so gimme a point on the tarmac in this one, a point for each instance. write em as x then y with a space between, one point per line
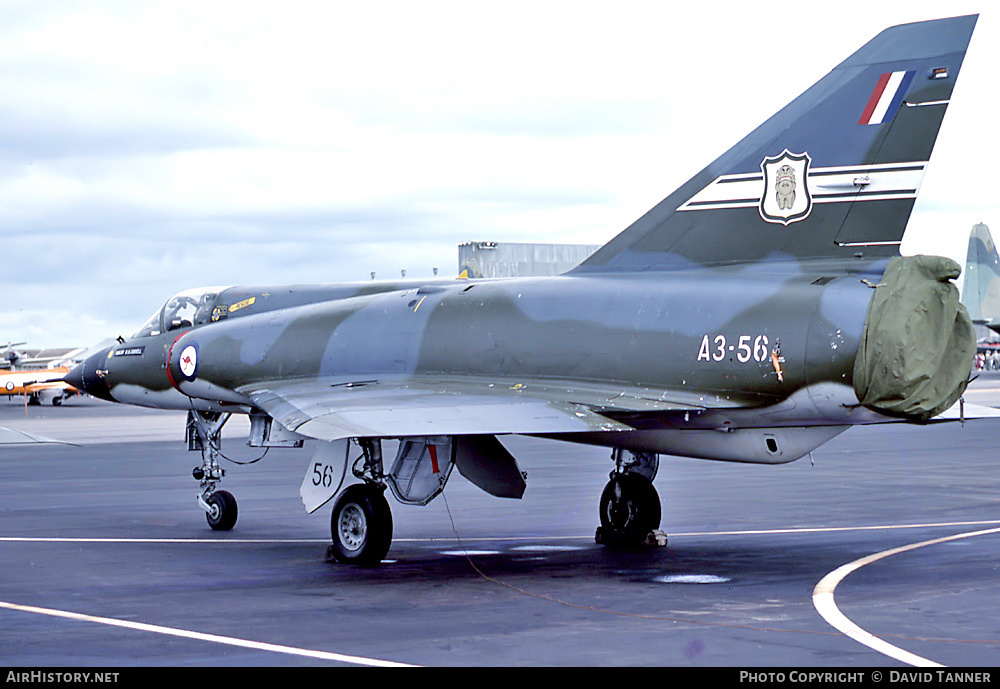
879 550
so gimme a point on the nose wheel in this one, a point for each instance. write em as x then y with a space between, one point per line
222 511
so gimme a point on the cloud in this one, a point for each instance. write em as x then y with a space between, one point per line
149 147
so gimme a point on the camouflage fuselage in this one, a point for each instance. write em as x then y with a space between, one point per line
700 333
740 338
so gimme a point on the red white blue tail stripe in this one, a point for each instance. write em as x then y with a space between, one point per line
886 98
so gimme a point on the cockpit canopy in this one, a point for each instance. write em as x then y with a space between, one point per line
183 310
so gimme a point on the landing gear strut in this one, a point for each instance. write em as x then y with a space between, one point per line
630 506
204 432
361 522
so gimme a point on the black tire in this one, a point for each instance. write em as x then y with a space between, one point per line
630 510
361 525
224 511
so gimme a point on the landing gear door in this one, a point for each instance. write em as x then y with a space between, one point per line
324 475
421 469
484 461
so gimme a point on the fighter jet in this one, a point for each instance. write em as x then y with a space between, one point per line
981 291
752 315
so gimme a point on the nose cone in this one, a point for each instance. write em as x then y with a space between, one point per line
75 377
89 376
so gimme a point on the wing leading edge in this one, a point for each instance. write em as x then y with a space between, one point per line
334 407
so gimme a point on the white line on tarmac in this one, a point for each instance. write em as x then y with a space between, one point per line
213 541
822 594
827 608
199 636
494 539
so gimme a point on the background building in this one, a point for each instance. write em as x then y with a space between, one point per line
505 259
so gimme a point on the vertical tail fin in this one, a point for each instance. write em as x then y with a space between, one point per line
833 174
981 286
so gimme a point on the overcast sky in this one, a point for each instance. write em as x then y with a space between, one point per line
149 147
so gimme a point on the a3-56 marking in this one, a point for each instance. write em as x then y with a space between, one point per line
744 347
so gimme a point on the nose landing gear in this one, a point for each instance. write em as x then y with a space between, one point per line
204 433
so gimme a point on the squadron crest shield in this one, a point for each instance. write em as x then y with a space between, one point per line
786 196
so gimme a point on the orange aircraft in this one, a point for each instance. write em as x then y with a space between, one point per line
36 385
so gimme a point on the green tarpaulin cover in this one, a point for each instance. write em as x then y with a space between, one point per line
918 344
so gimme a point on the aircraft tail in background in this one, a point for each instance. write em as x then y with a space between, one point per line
981 286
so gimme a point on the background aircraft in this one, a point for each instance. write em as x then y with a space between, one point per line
752 315
14 359
38 376
9 356
37 386
981 287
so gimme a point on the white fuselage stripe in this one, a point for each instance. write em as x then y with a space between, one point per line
842 184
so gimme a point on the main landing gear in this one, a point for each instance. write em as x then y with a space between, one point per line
361 525
204 432
630 506
361 522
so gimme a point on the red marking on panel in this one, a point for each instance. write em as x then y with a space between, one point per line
434 459
873 101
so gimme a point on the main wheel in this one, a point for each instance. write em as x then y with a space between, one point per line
224 511
361 525
630 510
